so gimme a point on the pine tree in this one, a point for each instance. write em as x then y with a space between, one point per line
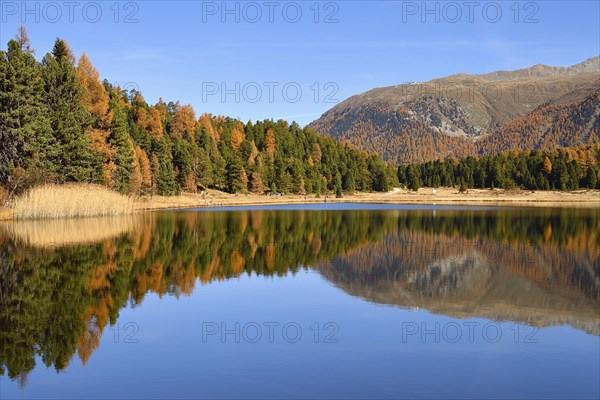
379 178
284 183
218 167
234 180
560 174
574 173
164 174
297 173
124 156
25 131
349 183
401 173
202 168
590 180
337 185
496 176
462 187
68 118
413 181
182 161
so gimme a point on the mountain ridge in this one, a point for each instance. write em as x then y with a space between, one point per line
592 64
450 117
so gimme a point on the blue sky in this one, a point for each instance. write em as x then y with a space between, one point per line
296 59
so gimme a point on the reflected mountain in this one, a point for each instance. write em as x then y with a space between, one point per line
63 283
524 283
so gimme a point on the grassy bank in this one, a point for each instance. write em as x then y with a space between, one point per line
68 201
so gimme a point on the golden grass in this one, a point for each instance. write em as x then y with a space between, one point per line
51 233
74 200
6 214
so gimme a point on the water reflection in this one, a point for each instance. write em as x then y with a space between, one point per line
63 282
69 232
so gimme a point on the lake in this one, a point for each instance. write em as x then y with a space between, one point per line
311 301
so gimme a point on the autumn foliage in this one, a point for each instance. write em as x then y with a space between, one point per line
87 131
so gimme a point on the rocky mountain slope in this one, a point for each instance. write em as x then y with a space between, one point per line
460 115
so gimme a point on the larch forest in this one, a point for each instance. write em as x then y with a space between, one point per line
59 123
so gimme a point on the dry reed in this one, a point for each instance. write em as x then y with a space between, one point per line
67 201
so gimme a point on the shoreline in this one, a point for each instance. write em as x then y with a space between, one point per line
441 196
424 196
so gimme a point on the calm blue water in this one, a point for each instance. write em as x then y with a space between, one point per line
340 207
309 302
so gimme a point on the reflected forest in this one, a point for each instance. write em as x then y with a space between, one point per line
64 282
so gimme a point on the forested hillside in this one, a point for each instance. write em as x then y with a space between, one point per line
464 115
60 123
550 126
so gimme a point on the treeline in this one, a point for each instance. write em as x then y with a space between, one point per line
59 123
561 169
